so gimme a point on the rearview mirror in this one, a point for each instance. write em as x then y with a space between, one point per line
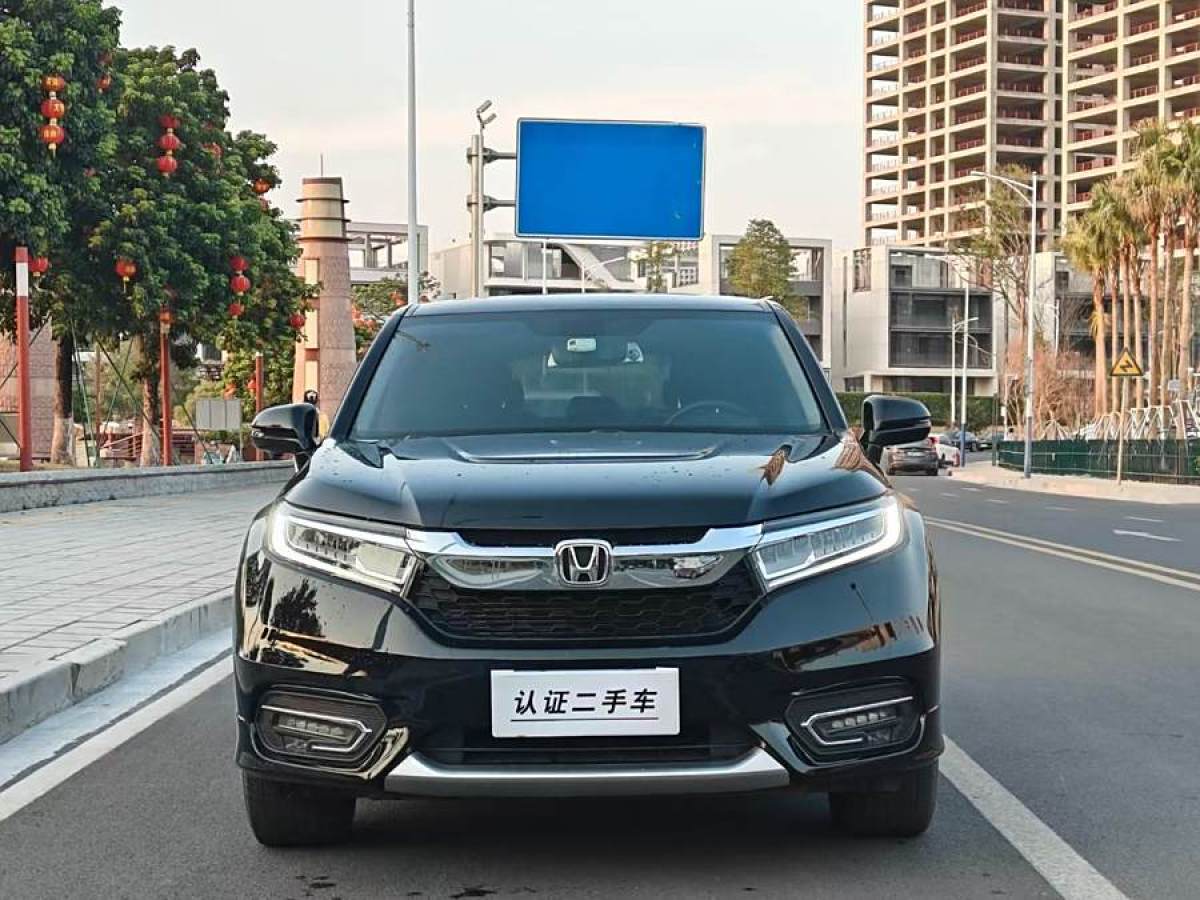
888 421
291 428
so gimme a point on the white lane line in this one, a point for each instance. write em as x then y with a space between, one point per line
948 494
994 500
1174 577
973 490
1144 519
1062 508
1053 858
54 773
1146 535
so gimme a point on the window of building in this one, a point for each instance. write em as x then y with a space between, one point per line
862 269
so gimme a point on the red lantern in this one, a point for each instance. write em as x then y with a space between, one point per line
53 84
53 108
168 121
167 165
52 135
261 186
236 309
169 142
38 265
214 149
296 320
104 82
125 269
238 264
239 284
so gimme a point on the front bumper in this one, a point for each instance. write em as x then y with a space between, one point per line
876 623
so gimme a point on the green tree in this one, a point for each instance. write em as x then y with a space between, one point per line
761 262
655 255
182 231
374 302
44 196
1087 246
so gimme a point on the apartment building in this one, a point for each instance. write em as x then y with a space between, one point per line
1127 62
953 87
514 266
894 313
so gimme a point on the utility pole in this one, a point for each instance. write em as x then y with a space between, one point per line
24 391
478 202
414 249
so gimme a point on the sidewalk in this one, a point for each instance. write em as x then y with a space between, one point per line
984 473
90 592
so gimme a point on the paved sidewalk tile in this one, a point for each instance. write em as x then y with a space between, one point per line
75 575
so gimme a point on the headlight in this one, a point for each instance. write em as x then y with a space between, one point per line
806 550
377 559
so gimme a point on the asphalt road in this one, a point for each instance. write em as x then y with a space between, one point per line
1072 684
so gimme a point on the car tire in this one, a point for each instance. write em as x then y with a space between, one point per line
904 812
933 471
283 814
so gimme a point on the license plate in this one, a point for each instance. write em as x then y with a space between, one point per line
585 703
917 453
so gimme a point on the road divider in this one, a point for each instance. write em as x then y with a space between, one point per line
1162 574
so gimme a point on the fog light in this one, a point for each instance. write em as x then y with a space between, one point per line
854 722
318 727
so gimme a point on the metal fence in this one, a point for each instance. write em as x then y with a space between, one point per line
1166 461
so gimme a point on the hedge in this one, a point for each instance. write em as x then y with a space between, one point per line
982 412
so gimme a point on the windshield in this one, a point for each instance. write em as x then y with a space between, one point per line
588 370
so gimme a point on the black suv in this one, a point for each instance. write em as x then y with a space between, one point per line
587 545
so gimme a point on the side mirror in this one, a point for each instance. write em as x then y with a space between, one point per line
888 421
291 428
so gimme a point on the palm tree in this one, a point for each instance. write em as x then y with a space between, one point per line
1084 244
1150 200
1104 221
1131 238
1187 160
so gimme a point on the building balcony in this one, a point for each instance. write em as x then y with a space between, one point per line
1091 10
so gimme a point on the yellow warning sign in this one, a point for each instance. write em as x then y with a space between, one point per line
1126 366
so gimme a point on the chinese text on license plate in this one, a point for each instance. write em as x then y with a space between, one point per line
585 703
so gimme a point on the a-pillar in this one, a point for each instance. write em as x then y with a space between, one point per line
325 357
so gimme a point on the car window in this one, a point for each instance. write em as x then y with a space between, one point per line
588 370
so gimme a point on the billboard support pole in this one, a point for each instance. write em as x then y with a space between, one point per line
413 288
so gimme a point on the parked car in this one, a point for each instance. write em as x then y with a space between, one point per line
949 455
952 437
984 441
919 456
473 588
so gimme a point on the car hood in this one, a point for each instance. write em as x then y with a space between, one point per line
594 480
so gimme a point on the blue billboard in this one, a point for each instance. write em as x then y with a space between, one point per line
617 180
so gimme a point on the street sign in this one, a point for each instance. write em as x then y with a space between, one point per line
1126 366
614 180
217 414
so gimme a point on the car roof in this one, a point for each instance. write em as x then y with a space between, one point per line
527 302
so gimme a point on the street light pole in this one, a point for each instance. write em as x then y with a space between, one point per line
1029 194
414 249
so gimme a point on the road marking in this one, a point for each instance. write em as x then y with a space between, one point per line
974 490
948 494
1053 858
1144 519
24 791
994 500
1174 577
1145 534
1062 508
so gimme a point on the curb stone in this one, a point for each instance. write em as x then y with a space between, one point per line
49 687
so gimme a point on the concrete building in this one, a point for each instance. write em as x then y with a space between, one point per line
1127 61
892 314
514 266
954 86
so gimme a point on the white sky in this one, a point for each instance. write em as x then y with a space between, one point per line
777 82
